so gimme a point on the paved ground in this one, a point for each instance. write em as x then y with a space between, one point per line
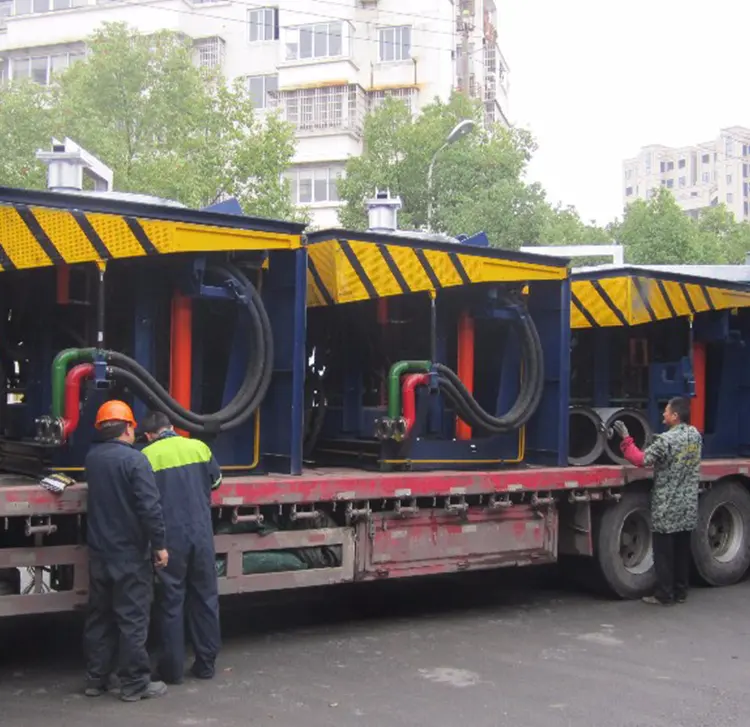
447 654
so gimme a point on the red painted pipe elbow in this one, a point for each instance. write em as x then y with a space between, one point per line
76 376
409 398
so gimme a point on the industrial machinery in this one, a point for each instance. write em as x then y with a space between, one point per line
432 354
384 403
642 335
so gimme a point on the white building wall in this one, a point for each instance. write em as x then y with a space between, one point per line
700 176
385 47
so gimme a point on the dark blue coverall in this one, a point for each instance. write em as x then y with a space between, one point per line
186 472
124 527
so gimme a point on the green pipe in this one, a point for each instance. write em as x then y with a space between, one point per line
60 366
394 383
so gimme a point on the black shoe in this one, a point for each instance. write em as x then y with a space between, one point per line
94 689
202 672
153 690
681 598
654 601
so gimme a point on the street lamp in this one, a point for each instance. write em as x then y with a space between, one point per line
461 129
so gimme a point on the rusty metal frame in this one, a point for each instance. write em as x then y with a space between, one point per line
75 555
233 546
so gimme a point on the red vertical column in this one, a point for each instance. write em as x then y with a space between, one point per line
181 354
465 365
698 402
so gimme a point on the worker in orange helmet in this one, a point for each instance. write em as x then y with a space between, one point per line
126 538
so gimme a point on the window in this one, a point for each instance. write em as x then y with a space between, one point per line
681 164
325 108
746 170
729 146
405 95
322 40
210 52
314 184
746 209
705 177
670 183
682 181
26 7
395 43
729 178
263 24
730 197
261 90
628 191
647 163
6 8
40 69
705 158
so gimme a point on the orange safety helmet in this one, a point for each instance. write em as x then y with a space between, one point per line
114 411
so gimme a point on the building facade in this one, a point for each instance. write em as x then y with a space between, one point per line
699 176
323 63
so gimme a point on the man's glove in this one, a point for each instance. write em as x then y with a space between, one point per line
620 429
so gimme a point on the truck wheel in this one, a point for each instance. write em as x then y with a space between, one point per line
721 541
623 546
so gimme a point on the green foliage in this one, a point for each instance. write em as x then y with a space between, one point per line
658 232
25 126
477 181
166 127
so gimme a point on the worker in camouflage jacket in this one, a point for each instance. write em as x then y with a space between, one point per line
676 458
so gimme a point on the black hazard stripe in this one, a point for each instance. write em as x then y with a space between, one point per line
32 223
92 235
140 235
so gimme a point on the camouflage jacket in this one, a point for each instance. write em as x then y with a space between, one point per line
676 459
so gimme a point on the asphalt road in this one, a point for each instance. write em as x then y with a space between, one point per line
475 651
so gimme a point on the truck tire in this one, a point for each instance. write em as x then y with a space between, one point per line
623 547
721 541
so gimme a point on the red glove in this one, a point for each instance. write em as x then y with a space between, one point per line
631 453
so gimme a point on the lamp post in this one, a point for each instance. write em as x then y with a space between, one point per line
461 129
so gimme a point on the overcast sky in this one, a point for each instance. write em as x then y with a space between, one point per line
595 80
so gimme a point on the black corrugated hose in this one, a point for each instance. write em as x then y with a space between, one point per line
124 369
529 397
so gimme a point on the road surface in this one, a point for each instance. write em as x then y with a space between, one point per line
480 652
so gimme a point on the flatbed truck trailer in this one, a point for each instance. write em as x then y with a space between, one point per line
406 524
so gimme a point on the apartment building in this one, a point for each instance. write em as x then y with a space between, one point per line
700 176
324 63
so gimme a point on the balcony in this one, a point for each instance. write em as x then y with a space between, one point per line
325 110
209 52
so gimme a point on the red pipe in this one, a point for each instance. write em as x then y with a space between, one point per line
75 377
409 398
698 402
465 365
181 353
63 285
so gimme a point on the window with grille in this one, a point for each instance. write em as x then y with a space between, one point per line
407 95
263 24
313 184
210 52
395 43
324 109
263 90
319 40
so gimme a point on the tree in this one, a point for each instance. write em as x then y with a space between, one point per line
25 126
167 127
658 232
563 226
477 183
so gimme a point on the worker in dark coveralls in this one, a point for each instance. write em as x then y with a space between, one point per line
126 539
186 473
676 459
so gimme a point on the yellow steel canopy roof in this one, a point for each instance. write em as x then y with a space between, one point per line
346 266
40 229
629 296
